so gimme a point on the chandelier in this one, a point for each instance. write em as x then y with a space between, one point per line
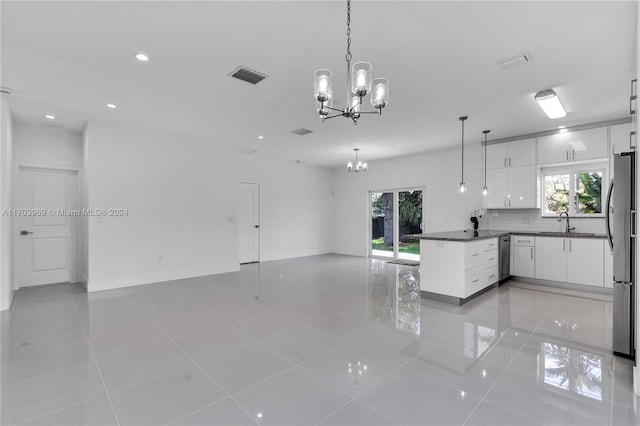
359 165
358 85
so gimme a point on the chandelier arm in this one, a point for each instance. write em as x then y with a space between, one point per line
332 108
333 116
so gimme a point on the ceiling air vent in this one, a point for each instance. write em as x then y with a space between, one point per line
302 131
523 58
250 76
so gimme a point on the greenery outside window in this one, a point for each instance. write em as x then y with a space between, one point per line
579 190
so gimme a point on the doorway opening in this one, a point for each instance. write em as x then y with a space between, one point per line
396 223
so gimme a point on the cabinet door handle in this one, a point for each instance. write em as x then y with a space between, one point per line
492 244
564 245
569 245
509 161
531 253
492 258
632 107
573 154
633 86
476 280
492 276
632 143
475 254
567 152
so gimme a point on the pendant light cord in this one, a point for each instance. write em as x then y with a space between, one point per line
348 56
462 119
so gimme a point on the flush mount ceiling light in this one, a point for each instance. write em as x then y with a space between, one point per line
463 186
141 57
50 117
485 190
358 85
112 106
359 165
550 103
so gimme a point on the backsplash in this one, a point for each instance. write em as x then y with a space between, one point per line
530 220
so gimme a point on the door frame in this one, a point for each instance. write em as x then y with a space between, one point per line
259 209
74 226
396 223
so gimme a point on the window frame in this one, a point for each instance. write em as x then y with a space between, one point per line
572 170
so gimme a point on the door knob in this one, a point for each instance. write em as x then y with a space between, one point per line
25 232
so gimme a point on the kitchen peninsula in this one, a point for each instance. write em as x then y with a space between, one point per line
457 265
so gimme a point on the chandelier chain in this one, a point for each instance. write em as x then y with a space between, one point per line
348 56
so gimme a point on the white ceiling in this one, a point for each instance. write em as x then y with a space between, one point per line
71 58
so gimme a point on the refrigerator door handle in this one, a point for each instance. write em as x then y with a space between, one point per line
607 220
633 223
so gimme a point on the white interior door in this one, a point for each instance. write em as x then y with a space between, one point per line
45 249
249 222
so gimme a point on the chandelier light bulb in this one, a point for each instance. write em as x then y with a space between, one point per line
485 191
463 188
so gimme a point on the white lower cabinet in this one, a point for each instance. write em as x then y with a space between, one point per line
523 256
572 260
458 269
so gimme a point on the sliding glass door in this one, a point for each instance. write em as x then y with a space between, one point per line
396 222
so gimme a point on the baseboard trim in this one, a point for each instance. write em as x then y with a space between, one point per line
144 279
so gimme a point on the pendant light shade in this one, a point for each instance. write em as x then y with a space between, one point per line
485 190
463 186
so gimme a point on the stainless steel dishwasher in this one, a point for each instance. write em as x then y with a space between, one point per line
505 257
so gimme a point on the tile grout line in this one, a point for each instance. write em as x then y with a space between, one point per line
483 399
95 360
210 378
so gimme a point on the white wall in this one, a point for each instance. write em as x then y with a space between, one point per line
44 146
444 208
6 197
181 196
296 207
83 201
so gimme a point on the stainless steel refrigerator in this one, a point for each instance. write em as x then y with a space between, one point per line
621 210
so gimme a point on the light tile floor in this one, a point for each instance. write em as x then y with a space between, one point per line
330 340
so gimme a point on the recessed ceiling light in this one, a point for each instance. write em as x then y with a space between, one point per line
112 106
260 137
50 117
141 57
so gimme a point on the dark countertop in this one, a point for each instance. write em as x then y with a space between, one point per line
482 235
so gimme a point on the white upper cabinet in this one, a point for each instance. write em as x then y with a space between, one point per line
589 144
522 187
621 138
511 154
511 187
573 146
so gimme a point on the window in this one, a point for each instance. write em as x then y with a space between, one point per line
577 190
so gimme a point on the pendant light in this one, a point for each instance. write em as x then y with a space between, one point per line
358 166
359 84
463 186
485 191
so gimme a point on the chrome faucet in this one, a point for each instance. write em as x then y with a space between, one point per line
568 228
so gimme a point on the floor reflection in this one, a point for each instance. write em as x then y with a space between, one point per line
395 295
